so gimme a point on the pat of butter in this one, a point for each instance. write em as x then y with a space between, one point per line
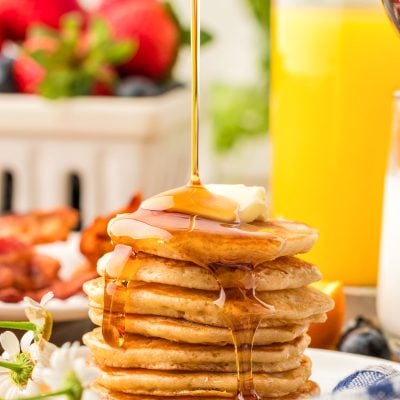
251 200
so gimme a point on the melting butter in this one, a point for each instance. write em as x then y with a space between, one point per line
226 203
251 200
195 200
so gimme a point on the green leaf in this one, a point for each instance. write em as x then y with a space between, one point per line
205 37
42 30
121 52
173 14
262 11
76 65
42 58
237 112
71 25
185 37
56 84
99 32
65 83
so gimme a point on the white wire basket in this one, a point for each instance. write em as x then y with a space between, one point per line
94 151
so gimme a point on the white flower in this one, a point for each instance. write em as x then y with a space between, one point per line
16 384
68 368
11 345
38 315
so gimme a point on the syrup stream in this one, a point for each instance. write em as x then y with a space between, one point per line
240 308
195 47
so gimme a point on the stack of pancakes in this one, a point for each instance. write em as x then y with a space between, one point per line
177 343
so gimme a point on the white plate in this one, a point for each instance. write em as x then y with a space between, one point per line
72 309
330 367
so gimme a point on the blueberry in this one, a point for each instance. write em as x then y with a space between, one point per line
171 85
362 337
137 86
7 82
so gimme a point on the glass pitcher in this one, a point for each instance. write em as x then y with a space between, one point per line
335 65
389 271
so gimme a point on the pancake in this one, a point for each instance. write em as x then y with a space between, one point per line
179 330
141 352
181 237
182 383
199 306
308 390
131 326
282 273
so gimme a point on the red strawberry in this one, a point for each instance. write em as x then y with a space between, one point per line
106 5
68 63
28 74
151 26
16 16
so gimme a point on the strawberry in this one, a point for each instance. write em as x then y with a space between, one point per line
106 5
29 74
17 16
72 62
157 35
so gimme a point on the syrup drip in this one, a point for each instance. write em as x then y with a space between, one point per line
243 323
116 295
193 208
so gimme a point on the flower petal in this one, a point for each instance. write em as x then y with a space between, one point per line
26 341
5 384
89 394
31 389
12 393
41 352
85 373
46 298
31 303
10 343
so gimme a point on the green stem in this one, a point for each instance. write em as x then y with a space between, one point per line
21 326
66 391
10 365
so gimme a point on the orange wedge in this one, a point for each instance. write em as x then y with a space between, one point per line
327 335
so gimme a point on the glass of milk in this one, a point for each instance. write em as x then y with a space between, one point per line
388 301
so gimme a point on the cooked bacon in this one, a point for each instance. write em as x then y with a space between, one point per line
23 272
64 289
39 227
11 295
95 241
6 277
14 253
44 271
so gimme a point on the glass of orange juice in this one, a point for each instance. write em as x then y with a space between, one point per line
335 65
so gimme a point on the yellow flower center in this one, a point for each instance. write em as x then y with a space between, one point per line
21 377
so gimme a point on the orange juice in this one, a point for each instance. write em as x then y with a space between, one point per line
335 65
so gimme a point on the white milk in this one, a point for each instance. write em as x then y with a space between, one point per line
389 274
